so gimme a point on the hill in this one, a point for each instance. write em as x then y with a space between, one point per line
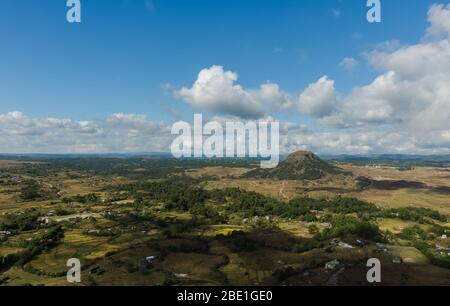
301 165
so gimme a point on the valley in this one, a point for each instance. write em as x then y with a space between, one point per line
159 221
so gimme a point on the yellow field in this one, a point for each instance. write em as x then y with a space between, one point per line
395 225
393 198
219 172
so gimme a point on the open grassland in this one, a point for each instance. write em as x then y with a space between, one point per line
19 277
405 198
8 164
216 172
433 195
132 231
430 176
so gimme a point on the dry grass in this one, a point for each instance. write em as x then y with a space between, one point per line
395 225
18 277
218 172
286 190
431 176
405 198
410 255
6 164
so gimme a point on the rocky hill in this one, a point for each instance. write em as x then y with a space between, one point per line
301 165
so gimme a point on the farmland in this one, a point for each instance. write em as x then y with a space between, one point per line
140 221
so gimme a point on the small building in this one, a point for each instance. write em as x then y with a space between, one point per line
151 259
360 242
332 265
344 245
44 220
381 247
397 260
306 273
439 247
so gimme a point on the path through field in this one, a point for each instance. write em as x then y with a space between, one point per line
281 192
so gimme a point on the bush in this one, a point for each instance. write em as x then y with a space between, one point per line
412 233
82 199
31 191
349 225
415 214
433 257
26 221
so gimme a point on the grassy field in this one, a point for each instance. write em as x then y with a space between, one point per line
113 235
402 197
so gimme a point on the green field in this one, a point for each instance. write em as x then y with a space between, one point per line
204 224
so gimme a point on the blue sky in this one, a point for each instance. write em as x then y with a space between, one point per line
122 53
125 53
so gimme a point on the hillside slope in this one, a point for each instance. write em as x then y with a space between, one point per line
301 165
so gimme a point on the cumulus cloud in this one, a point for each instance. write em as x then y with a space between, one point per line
319 99
215 91
118 133
413 92
135 133
439 18
348 64
271 94
364 141
405 109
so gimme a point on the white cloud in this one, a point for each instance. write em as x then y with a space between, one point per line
348 64
119 133
135 133
439 18
319 99
413 92
215 91
363 141
271 94
406 109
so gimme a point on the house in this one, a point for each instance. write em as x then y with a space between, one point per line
151 259
44 220
87 217
381 247
397 260
4 234
332 265
360 242
306 273
327 225
335 242
439 247
345 245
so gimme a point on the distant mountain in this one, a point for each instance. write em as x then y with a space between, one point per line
389 157
50 156
301 165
